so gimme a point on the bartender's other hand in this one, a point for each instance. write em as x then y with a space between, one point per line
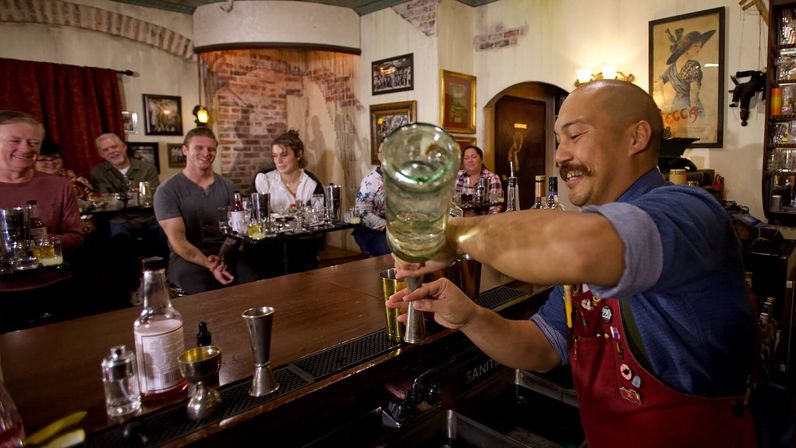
440 261
451 307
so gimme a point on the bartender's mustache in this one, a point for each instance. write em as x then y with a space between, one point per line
575 169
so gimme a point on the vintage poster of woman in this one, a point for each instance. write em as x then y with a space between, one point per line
687 74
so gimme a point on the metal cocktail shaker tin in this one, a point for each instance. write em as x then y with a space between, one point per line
333 206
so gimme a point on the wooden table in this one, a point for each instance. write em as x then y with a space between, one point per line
282 239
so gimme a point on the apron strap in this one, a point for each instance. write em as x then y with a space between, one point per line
633 336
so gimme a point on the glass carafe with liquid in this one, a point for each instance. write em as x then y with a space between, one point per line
420 162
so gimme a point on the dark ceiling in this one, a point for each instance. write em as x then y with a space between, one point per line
362 7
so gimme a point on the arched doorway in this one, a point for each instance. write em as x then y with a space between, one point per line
522 118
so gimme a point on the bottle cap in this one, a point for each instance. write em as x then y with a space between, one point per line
119 364
153 263
539 177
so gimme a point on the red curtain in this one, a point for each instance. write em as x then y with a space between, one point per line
76 104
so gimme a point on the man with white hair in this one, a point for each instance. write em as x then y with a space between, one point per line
117 174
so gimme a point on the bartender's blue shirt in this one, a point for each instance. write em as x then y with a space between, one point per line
684 282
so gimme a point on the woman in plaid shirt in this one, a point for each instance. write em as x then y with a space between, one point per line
472 170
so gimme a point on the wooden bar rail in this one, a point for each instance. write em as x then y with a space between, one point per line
53 370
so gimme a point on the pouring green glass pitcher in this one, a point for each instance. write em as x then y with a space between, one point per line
420 162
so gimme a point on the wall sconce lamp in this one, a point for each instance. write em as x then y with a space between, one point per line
201 114
585 75
199 111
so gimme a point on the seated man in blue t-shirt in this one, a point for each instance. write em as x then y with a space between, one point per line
659 332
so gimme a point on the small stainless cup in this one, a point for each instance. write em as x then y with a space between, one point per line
415 323
259 321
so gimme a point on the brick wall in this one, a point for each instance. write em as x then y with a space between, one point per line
420 13
248 94
56 12
500 37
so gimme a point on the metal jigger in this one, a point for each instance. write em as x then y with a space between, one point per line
415 325
200 365
259 321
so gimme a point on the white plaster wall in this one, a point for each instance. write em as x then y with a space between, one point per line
386 34
158 72
276 22
455 22
569 34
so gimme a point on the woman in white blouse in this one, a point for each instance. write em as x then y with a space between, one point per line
288 184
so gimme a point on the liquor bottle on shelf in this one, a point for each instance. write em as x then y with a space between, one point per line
512 195
237 215
159 337
38 231
552 194
540 202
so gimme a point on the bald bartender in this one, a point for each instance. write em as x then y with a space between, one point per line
659 331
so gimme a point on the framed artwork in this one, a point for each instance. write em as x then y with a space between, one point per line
162 115
384 118
176 157
457 101
130 121
686 69
394 74
464 141
147 151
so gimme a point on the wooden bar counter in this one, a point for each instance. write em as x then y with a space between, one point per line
53 370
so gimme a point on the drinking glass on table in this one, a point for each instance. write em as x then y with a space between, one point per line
48 251
222 213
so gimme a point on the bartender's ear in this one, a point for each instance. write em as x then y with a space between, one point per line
641 133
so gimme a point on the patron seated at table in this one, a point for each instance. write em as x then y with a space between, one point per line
51 162
133 233
185 206
20 142
289 186
473 169
372 238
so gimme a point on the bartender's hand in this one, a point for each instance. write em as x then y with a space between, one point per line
451 307
219 268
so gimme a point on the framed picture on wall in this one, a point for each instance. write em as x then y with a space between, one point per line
162 115
394 74
130 121
457 102
686 79
176 157
464 141
147 151
384 118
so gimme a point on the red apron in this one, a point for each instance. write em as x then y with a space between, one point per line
623 405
